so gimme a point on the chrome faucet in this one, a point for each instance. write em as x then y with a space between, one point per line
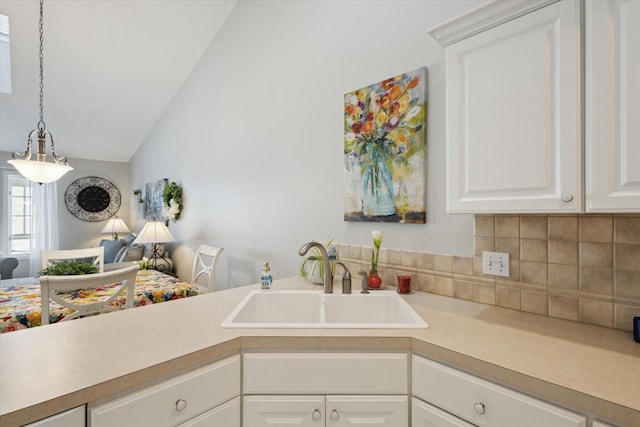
346 279
328 274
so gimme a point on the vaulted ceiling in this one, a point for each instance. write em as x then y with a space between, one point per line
111 67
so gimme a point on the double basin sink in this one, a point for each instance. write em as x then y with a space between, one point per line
315 309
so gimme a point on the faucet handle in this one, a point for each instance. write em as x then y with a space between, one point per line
365 280
346 279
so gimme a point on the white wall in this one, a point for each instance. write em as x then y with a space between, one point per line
255 135
73 232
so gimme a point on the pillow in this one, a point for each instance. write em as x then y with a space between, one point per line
111 249
119 257
133 253
129 238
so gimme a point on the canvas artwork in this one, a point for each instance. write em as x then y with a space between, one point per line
385 150
154 200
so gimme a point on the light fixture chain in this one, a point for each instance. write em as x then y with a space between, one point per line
41 124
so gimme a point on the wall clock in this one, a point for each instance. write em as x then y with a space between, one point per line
92 199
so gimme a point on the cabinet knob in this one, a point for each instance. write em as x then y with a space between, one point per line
181 404
566 197
316 414
335 415
479 408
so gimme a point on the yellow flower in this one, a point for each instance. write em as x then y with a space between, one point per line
381 118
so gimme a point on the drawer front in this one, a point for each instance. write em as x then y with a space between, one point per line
175 400
482 402
225 415
284 411
325 373
425 415
72 418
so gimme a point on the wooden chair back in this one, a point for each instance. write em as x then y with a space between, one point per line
95 255
51 285
204 263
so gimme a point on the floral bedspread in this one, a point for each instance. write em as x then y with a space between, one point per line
20 302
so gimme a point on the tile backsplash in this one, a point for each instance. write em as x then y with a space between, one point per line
578 267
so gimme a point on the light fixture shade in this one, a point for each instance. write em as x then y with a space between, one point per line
41 172
116 225
154 232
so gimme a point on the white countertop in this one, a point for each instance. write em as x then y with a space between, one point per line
48 369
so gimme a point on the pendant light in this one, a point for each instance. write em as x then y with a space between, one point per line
40 170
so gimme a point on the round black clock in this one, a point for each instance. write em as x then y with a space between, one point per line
92 199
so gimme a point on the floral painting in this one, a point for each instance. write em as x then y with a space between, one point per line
154 192
385 150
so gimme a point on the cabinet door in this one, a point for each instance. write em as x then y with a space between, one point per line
225 415
425 415
612 106
72 418
367 411
513 115
284 411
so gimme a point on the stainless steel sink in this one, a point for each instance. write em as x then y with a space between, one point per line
315 309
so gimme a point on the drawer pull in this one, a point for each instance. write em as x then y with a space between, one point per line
479 408
566 197
316 414
181 404
335 415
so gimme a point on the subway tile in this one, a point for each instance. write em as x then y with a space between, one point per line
509 245
394 257
508 226
463 265
444 286
534 272
477 267
596 229
533 227
564 307
623 316
483 293
596 312
563 228
425 283
563 276
627 257
596 279
563 252
463 289
533 250
354 251
535 302
484 225
410 258
514 270
627 284
627 229
484 244
426 260
596 254
444 262
508 297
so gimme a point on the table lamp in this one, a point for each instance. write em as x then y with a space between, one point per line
155 232
114 226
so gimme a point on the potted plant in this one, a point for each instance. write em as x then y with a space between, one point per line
312 266
69 268
374 281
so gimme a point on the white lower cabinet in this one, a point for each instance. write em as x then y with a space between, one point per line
483 403
325 411
425 415
202 397
72 418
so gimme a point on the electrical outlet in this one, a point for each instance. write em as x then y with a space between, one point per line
496 263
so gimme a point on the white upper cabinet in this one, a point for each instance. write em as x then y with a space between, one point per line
612 106
513 110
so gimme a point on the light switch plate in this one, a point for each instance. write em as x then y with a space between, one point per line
496 263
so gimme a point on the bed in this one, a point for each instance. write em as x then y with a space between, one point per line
20 298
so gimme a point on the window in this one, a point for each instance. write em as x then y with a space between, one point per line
20 214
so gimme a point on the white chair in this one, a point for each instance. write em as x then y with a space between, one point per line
96 255
51 285
205 263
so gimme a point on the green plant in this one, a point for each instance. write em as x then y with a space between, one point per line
138 193
69 268
172 201
313 264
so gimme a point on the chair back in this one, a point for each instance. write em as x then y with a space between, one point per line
93 255
205 263
51 285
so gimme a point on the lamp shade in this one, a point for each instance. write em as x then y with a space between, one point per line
41 172
154 232
114 226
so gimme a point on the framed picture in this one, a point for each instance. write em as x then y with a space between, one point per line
385 126
153 200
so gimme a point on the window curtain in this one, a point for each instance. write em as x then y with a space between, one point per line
44 223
